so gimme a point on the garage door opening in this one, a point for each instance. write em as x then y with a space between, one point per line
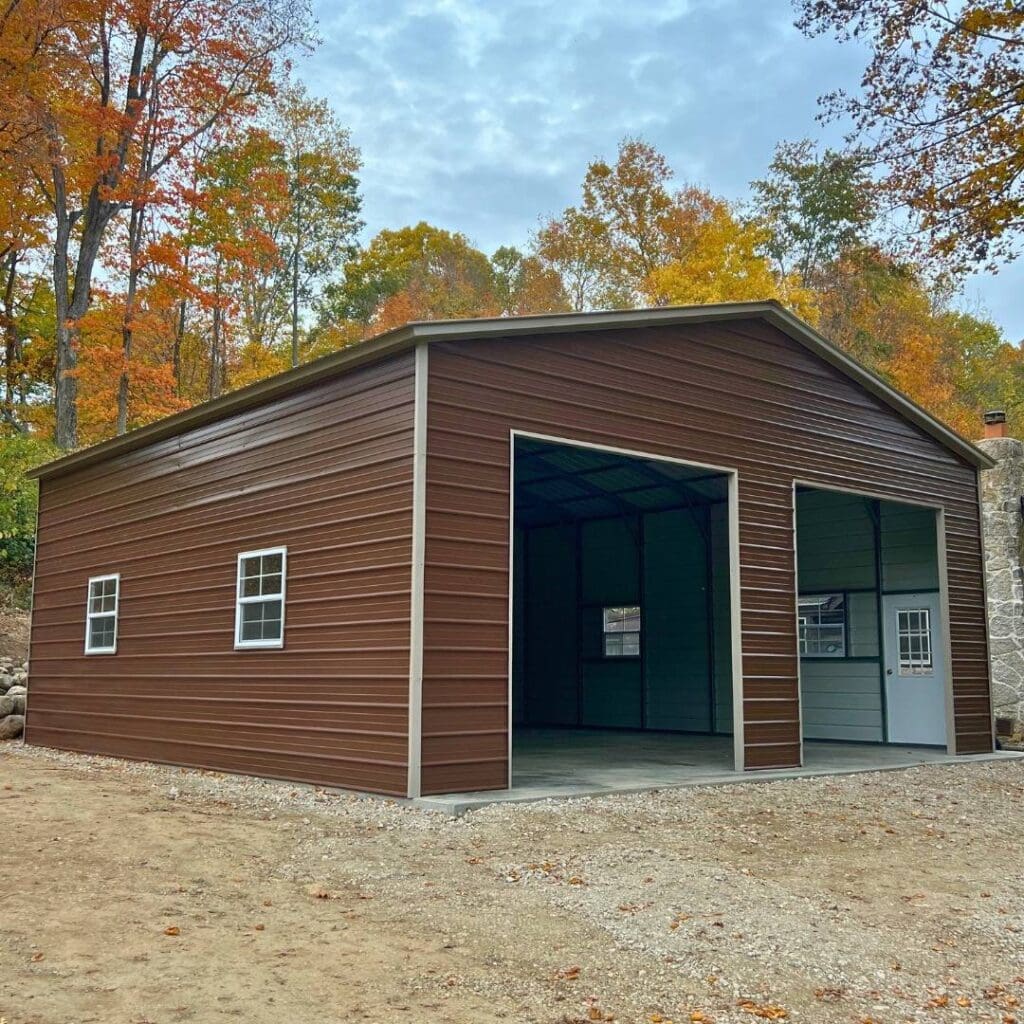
621 625
872 629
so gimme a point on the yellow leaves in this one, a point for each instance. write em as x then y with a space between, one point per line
766 1011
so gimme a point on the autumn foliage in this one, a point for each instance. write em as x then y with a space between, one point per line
178 218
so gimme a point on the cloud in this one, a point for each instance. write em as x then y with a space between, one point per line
481 115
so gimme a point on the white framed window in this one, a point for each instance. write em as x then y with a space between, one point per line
822 624
914 631
101 614
259 600
622 631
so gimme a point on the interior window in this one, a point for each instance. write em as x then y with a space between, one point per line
622 631
822 625
259 609
101 615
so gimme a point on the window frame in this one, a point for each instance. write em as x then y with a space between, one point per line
240 600
621 634
90 614
803 620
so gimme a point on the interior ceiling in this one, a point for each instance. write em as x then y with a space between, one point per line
557 483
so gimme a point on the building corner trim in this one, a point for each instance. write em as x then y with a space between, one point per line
419 525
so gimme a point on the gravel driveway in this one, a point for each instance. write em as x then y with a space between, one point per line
145 894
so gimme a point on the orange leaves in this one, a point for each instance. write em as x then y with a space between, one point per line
172 930
765 1011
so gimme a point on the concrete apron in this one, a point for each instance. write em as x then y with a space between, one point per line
557 767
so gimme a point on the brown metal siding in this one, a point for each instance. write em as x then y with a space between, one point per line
326 471
741 395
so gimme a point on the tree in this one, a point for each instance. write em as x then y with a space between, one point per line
814 208
718 259
318 233
941 113
575 246
118 93
523 285
414 273
242 195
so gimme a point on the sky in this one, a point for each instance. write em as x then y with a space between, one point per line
481 116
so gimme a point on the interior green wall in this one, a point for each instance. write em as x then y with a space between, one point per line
659 560
842 698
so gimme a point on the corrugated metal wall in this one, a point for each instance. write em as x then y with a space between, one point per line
326 471
741 395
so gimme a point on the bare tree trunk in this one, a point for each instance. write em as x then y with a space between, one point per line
215 344
127 324
12 343
295 307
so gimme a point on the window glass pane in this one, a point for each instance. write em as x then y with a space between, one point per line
822 625
251 586
261 620
101 632
272 584
271 563
622 619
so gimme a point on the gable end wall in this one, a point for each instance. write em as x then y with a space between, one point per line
742 395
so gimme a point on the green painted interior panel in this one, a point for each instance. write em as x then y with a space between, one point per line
909 553
677 656
721 613
550 624
835 542
610 549
670 686
842 698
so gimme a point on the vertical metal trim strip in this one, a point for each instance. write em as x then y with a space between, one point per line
419 544
735 615
796 628
947 644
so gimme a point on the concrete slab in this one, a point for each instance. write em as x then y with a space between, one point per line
565 763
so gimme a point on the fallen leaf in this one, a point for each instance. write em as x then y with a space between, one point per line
766 1011
259 927
963 1001
37 956
172 930
568 973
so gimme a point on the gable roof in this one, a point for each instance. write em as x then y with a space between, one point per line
427 331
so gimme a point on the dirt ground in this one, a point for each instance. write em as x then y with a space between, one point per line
133 893
13 634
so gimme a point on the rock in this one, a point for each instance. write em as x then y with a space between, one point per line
12 727
6 682
17 689
12 704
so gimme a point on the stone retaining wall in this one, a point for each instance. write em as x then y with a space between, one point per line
13 678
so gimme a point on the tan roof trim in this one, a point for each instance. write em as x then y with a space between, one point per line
404 338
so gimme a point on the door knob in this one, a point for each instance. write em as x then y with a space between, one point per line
888 671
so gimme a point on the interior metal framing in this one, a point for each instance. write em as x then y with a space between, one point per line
940 556
732 484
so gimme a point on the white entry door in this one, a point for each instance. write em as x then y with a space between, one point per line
915 669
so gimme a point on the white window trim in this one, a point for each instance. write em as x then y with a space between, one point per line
247 645
90 614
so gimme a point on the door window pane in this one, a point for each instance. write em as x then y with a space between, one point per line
914 634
